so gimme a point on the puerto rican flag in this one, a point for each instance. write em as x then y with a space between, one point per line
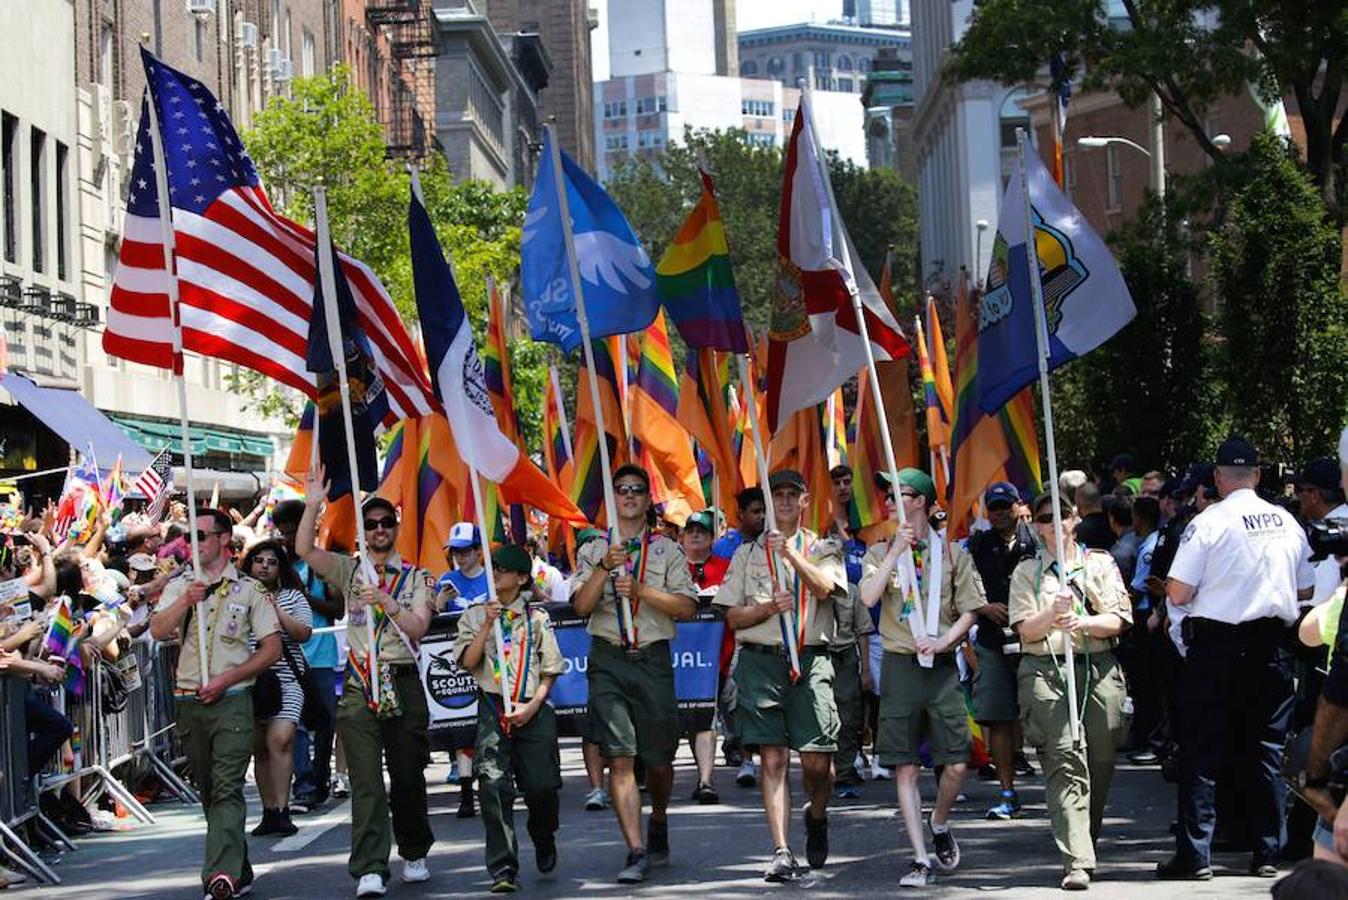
245 273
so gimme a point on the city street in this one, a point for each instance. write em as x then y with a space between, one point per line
716 850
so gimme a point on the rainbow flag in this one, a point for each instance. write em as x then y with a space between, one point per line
609 365
1018 422
114 490
656 429
587 486
60 640
496 366
938 422
695 284
835 429
557 459
708 412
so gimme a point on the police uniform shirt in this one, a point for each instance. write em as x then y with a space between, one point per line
666 571
961 592
415 591
852 620
748 582
236 609
1246 560
528 626
1328 574
1098 586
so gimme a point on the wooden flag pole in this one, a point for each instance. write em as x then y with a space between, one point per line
171 278
1046 393
328 276
610 503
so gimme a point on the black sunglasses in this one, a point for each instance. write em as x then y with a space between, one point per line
632 489
388 522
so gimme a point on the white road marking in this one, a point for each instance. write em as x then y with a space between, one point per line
311 831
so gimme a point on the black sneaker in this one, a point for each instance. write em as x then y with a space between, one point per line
219 887
705 794
782 869
946 847
545 855
504 883
638 868
1178 869
466 809
268 824
1023 767
816 839
657 842
283 826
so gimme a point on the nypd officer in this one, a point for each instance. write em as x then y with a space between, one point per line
215 712
1241 567
387 722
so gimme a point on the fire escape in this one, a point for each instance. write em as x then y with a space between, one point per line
410 98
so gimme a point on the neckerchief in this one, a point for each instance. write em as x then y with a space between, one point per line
1079 593
801 613
638 555
516 662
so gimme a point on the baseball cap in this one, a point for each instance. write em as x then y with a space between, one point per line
701 519
1236 451
916 479
1321 472
140 562
1125 461
1200 474
587 534
786 478
512 558
1001 492
463 535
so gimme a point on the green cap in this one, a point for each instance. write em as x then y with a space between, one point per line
587 534
702 519
914 478
512 558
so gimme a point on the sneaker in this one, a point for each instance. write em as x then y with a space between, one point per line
453 776
284 827
1076 880
862 768
987 772
371 884
1023 767
919 875
1144 757
466 808
748 774
1177 869
504 883
879 772
657 842
947 848
733 759
415 871
705 794
638 868
268 824
545 855
596 800
848 792
1007 808
816 839
341 786
243 890
219 887
782 868
301 806
1263 870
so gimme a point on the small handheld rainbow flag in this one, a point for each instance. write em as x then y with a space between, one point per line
61 632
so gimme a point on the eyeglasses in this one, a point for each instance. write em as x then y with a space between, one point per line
388 522
630 489
266 561
909 495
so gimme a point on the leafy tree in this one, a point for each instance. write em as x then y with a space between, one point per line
1187 52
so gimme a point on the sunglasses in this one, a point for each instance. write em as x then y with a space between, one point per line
909 495
388 522
630 489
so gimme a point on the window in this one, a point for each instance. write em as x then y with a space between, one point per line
37 161
649 138
650 105
307 53
845 85
615 109
199 37
821 60
62 215
844 63
748 67
761 109
788 114
9 161
615 142
863 65
760 139
661 103
776 65
1114 179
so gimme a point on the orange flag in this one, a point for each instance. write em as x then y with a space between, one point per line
653 401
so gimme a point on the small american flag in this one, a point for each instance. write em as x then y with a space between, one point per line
156 483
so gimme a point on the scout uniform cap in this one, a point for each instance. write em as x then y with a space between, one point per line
587 534
462 536
512 558
1322 472
916 479
1236 451
702 519
786 478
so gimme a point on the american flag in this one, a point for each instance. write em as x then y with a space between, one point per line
245 273
156 483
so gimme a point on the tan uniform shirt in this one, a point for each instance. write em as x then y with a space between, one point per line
528 627
415 591
748 582
239 608
1033 588
666 570
961 592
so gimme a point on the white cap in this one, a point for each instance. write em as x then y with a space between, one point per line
462 536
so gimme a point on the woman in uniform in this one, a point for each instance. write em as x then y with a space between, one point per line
1093 608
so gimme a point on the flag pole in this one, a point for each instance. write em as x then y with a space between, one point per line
561 409
770 521
907 569
1041 340
185 432
328 276
610 503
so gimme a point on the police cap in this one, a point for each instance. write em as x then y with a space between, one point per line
1236 451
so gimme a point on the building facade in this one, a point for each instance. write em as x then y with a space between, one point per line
388 45
839 55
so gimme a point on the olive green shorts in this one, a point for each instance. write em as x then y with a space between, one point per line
995 686
917 703
773 712
632 707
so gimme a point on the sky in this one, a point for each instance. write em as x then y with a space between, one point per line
749 14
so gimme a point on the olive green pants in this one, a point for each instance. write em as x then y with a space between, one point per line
528 757
402 744
1076 776
218 740
847 697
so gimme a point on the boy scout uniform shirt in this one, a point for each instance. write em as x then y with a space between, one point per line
1104 593
666 570
417 590
961 592
748 582
237 609
545 657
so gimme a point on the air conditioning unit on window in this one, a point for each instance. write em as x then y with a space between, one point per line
285 71
274 59
201 7
248 35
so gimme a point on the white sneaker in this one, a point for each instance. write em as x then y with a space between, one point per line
596 800
880 773
863 771
371 885
748 775
415 871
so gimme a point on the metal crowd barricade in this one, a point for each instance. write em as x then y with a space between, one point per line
153 715
18 800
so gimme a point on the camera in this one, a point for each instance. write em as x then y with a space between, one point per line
1327 537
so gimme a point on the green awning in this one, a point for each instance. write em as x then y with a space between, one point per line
155 436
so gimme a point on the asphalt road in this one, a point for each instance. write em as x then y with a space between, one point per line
716 850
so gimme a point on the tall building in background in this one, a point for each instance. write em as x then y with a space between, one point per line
389 47
565 27
840 55
888 99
